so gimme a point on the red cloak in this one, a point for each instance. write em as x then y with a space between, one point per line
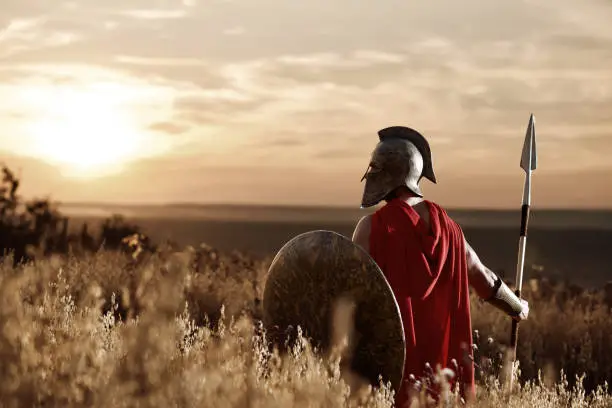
427 271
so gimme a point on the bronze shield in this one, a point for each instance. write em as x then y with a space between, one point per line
309 275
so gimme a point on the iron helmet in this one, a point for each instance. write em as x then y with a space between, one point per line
401 158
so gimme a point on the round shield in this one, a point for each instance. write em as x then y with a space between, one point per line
307 278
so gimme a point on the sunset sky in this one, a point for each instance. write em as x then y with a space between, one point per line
279 102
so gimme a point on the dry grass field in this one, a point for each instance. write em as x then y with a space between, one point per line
180 329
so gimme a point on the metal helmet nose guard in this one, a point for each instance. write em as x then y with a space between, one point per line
401 158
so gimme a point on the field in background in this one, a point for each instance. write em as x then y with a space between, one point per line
570 245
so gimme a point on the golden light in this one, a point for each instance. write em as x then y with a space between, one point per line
88 132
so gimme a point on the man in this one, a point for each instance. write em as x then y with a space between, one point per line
427 261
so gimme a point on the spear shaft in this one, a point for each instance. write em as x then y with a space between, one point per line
528 164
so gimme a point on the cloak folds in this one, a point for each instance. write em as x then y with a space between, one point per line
427 270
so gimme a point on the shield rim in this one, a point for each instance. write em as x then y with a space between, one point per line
367 257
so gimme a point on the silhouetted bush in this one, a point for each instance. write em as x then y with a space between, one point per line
32 229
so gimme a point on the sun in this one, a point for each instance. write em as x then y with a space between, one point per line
86 133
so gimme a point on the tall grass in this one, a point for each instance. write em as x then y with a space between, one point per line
181 330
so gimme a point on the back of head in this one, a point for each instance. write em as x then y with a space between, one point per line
400 159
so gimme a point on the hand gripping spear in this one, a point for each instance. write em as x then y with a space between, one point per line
528 163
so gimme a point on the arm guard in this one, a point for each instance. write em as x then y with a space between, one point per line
505 300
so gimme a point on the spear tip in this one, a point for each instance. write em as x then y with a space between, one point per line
529 157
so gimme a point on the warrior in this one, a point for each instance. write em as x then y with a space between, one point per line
427 261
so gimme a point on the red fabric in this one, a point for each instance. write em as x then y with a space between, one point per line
428 274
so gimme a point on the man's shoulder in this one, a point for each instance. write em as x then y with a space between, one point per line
435 204
445 214
439 207
361 235
364 225
365 221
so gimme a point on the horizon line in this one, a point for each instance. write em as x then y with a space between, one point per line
300 206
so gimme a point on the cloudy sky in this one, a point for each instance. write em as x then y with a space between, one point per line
274 101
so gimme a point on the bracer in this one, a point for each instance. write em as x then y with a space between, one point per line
505 300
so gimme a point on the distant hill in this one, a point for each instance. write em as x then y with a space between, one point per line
484 218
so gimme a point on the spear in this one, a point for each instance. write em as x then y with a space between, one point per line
528 164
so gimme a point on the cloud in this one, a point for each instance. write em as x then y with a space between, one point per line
283 142
465 97
24 35
154 14
234 31
169 128
160 62
18 29
237 84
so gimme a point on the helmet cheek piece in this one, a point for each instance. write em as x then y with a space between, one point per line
376 188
